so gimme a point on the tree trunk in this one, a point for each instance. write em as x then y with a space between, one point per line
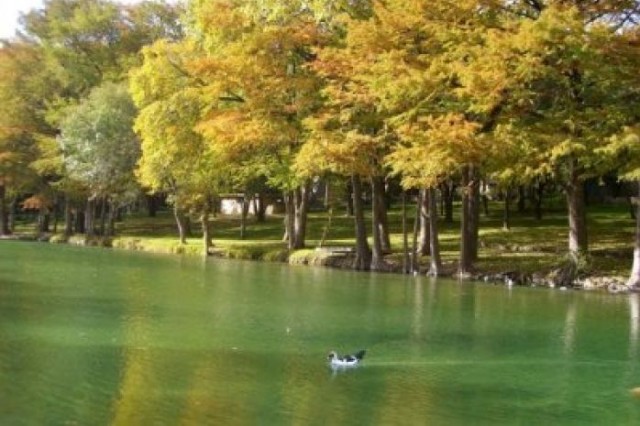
54 214
350 197
485 198
288 219
506 213
4 216
111 219
12 214
89 217
43 220
382 220
521 199
181 223
424 246
539 194
363 253
68 217
634 278
243 215
435 266
578 242
260 208
327 195
377 262
474 211
405 242
327 227
79 222
46 220
206 227
448 192
152 204
103 215
256 206
466 255
415 256
301 210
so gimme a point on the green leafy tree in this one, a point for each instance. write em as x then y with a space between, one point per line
86 42
81 45
99 147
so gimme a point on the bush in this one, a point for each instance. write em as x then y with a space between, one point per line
281 255
59 239
304 257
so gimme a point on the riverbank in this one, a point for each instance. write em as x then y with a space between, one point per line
531 253
339 257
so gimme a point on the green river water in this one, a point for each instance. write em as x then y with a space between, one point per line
100 337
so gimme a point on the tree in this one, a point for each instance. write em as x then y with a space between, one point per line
624 152
175 158
100 148
348 135
433 148
24 89
253 74
79 40
81 45
86 42
551 75
396 64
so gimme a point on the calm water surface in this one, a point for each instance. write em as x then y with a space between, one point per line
95 337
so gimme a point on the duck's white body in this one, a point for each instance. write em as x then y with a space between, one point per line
345 361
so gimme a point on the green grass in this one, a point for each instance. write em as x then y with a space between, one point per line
530 246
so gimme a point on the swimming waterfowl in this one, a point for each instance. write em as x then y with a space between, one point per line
347 360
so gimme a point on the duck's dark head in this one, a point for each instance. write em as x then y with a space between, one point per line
332 355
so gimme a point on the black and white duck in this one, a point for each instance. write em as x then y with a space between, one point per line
347 360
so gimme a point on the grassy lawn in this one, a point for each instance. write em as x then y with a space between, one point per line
531 245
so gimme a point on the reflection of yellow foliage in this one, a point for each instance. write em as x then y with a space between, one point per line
403 400
137 382
198 402
135 388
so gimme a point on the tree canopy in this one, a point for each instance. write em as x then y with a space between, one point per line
200 98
